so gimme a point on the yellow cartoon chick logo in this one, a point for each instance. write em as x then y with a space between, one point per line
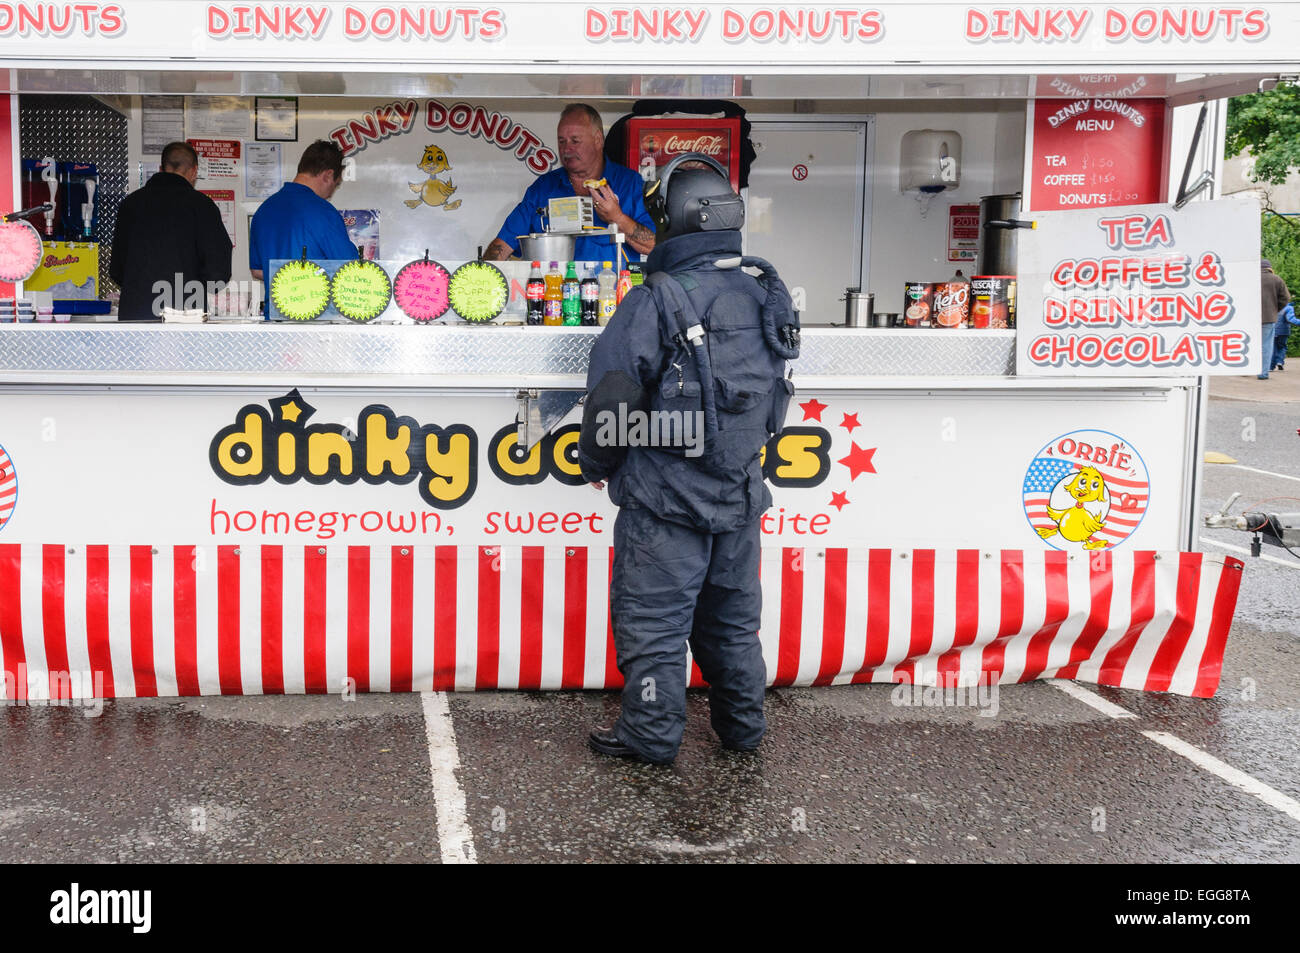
433 191
1079 506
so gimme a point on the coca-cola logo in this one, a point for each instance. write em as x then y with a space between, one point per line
953 296
52 261
708 145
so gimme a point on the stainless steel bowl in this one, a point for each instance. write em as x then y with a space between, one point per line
546 247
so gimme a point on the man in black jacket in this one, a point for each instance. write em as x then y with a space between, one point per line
170 247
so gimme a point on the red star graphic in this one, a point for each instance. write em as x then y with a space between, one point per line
850 422
812 409
859 461
839 501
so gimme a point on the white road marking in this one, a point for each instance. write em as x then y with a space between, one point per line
454 836
1238 779
1242 466
1241 549
1203 760
1091 699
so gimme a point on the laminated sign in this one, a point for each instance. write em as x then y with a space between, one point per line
1141 291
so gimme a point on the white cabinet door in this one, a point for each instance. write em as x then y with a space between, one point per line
805 208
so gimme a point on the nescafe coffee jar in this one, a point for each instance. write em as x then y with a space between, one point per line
993 301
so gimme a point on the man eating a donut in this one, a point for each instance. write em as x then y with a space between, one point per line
615 192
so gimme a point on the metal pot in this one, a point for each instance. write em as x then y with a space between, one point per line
857 308
884 319
998 235
546 247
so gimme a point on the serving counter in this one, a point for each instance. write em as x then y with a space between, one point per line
273 508
419 356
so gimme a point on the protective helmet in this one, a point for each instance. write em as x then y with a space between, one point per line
693 199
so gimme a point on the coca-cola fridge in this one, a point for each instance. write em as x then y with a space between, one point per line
653 142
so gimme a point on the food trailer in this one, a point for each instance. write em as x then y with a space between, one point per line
392 503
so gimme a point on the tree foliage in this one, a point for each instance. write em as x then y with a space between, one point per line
1267 126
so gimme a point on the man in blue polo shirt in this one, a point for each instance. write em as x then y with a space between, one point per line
581 141
300 216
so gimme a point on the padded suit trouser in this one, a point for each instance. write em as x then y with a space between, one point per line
671 585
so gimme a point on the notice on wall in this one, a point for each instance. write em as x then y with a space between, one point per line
1095 152
225 199
963 232
218 117
1142 291
162 121
218 158
261 170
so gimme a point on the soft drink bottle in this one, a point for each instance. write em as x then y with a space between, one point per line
553 296
536 293
590 289
607 296
624 284
572 296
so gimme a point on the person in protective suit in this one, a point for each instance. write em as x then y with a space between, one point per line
685 386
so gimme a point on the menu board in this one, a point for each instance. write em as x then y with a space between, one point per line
653 143
1096 152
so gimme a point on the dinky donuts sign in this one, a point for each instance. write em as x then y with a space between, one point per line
1141 290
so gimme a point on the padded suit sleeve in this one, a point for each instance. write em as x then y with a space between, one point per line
625 363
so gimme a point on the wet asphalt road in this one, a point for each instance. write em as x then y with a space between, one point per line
844 775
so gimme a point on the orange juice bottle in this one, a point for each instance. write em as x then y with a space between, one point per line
553 297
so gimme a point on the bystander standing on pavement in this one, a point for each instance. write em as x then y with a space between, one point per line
1285 318
1273 297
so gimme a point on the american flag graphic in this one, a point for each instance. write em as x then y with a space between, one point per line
1127 490
250 619
8 487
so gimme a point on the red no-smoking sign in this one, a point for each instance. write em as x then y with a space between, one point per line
800 172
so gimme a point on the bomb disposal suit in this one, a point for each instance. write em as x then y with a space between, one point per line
698 355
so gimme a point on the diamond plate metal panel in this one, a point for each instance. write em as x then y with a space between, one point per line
849 352
81 129
426 352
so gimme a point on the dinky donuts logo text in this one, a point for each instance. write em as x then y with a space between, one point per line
442 460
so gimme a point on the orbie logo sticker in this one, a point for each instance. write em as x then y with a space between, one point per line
1086 490
8 488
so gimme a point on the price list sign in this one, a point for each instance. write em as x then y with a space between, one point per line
1096 152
